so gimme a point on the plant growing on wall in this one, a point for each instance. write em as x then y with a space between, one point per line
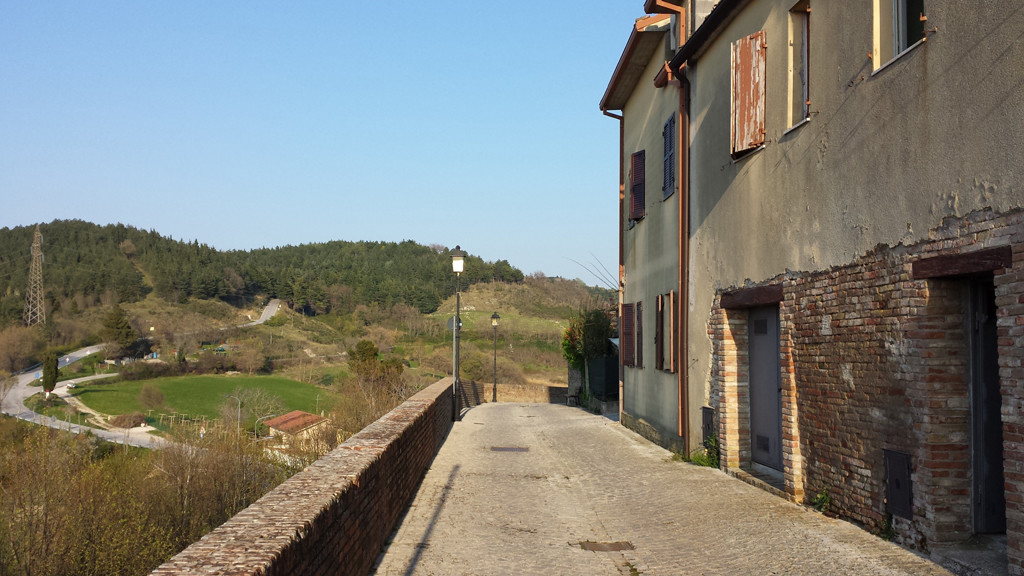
572 343
586 337
597 329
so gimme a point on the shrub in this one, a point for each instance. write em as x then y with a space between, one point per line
151 397
149 370
130 420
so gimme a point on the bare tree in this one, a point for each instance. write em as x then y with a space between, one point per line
249 356
7 383
17 345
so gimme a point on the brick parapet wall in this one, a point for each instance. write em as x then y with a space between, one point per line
874 359
335 516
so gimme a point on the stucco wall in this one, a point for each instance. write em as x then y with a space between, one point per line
884 158
650 247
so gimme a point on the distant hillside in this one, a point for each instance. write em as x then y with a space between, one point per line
86 263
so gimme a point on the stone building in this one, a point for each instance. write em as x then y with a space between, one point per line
851 268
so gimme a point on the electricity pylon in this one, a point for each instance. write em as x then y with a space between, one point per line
35 311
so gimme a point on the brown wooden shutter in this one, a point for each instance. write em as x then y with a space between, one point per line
637 202
748 76
626 335
639 330
672 331
659 333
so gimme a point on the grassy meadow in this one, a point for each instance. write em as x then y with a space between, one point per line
198 396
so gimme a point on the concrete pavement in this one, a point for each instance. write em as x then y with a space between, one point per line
549 489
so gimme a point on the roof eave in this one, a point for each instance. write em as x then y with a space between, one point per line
712 26
630 54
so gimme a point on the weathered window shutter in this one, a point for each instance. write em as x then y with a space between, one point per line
637 203
626 340
669 136
659 333
672 330
748 69
639 317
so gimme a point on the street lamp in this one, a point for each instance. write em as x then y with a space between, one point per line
238 423
494 322
458 265
255 433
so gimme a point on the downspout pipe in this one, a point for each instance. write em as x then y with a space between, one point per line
622 201
682 307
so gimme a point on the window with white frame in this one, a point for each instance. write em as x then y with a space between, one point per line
898 26
665 333
799 62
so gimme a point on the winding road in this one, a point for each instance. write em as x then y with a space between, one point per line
14 402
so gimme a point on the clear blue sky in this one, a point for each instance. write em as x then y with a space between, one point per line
252 124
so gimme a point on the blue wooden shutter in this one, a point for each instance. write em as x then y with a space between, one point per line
669 137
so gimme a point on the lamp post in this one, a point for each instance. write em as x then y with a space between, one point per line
494 322
238 422
255 433
458 264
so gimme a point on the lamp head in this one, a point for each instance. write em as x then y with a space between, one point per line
494 319
458 260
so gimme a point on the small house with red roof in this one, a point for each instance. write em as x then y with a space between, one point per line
296 426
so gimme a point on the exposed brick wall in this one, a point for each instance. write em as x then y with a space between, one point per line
730 389
1009 297
875 359
334 516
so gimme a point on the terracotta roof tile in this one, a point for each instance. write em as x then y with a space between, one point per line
294 422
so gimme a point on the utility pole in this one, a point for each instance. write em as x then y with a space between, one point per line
35 310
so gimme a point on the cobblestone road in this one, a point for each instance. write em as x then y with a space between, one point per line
517 488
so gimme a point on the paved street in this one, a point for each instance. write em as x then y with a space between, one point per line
517 488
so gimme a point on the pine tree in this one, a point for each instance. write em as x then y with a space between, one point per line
117 330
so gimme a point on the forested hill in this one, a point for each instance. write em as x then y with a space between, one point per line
87 260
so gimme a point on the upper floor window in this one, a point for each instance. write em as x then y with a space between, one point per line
799 62
637 184
668 135
747 120
898 25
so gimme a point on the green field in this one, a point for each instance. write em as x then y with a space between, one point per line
199 395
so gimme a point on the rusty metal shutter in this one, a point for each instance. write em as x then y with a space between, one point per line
637 182
628 352
748 79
